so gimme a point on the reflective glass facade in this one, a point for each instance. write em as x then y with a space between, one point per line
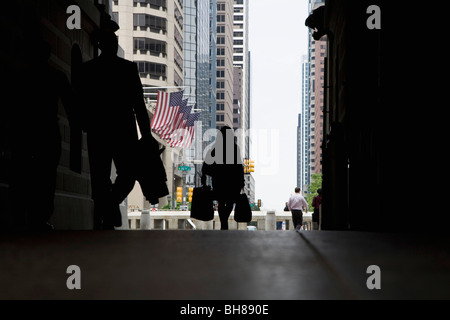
196 56
198 81
203 74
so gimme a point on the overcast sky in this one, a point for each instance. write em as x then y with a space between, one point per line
277 41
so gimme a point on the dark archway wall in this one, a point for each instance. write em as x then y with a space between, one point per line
383 156
21 21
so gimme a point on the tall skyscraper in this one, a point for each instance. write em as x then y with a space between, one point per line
197 58
241 62
316 103
224 63
198 87
304 174
312 104
237 98
151 34
212 60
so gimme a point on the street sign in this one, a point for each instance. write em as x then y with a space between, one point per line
184 168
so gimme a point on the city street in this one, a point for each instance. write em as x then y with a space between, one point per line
223 265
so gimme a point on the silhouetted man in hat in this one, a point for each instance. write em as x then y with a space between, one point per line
112 100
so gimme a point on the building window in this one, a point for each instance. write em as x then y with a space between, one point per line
156 24
154 70
178 38
179 17
177 79
154 4
145 45
178 59
220 84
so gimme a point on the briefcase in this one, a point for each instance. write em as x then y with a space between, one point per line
202 204
242 210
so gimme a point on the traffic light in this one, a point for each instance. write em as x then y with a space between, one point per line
179 194
259 203
190 194
251 166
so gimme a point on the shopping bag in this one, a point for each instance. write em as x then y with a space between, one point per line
202 204
242 210
151 173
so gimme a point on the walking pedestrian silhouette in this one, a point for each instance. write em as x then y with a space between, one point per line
224 164
112 100
34 138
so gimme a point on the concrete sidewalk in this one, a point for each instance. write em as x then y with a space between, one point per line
224 265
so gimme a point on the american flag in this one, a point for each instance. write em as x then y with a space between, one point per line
167 108
167 130
181 123
184 140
